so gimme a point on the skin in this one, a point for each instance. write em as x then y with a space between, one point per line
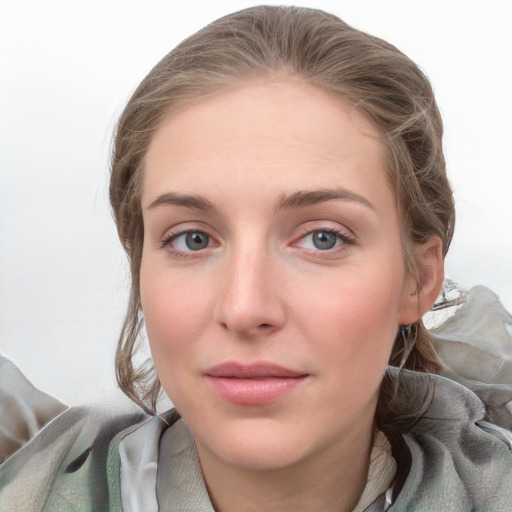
260 290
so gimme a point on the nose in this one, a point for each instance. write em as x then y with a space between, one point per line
250 304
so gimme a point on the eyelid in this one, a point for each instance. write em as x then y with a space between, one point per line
326 225
173 236
339 233
343 234
184 229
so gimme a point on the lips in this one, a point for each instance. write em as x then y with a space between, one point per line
254 384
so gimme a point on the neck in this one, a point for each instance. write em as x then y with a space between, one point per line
330 480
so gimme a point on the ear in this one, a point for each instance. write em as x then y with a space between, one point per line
422 290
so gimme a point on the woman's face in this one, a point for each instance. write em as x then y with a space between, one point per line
272 278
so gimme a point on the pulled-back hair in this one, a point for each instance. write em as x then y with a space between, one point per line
317 48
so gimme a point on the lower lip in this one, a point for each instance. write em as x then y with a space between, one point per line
254 391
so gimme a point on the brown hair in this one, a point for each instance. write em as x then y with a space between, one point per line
320 49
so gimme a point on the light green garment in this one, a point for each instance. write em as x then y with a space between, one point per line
54 459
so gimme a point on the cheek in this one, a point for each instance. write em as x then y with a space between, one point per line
175 315
173 323
354 319
353 354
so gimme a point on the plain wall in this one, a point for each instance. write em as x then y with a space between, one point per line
66 70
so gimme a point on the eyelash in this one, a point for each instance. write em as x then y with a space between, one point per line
166 242
340 235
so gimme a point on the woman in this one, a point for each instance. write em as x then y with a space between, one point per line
278 183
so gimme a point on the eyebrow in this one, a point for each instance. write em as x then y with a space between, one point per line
299 199
186 200
305 198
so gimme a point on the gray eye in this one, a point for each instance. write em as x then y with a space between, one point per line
324 240
196 240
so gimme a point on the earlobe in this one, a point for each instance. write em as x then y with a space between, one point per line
423 291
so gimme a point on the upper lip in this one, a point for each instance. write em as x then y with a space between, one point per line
252 371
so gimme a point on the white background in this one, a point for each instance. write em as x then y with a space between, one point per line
66 70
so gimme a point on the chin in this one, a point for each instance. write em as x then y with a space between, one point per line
255 448
262 456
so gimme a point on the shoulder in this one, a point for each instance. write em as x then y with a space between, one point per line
475 348
30 416
58 453
24 409
456 461
74 457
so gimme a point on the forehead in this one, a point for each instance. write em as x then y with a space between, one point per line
285 135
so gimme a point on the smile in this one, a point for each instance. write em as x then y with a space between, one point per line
255 384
